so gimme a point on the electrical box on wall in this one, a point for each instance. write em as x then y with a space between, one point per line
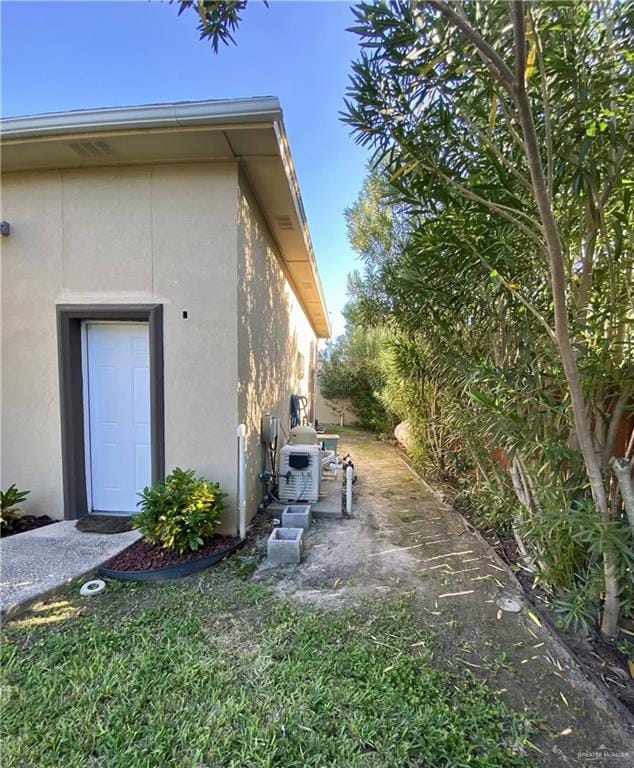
269 429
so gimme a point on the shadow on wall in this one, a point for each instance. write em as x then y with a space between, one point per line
272 330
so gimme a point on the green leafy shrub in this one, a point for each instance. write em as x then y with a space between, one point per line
489 506
180 512
350 369
9 501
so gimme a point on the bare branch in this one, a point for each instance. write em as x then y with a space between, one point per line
509 214
611 605
623 472
545 104
517 15
615 422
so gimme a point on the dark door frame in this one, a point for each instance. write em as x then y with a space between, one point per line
69 320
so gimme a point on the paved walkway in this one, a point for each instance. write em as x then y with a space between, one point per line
35 562
403 539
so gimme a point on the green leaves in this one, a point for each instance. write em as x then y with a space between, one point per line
11 498
9 505
350 370
218 20
180 512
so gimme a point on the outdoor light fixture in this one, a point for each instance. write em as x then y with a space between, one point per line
5 227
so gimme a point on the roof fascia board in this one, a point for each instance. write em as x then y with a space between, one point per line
225 112
293 184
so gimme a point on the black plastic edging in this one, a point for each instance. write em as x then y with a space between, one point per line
169 571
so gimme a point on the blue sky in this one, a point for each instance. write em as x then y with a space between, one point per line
58 56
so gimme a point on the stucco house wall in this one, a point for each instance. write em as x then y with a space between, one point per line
272 330
187 216
142 234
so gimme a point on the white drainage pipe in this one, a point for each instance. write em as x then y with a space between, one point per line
349 479
242 484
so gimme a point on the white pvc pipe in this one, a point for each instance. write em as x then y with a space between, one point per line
349 478
242 485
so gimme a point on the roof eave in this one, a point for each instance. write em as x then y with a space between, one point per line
301 216
220 113
179 114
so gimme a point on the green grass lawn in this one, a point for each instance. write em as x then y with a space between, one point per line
215 671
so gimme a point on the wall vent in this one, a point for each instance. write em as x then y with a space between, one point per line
284 222
88 149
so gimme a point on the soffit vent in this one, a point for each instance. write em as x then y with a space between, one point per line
284 222
88 149
308 286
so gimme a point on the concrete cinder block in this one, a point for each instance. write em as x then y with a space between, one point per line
285 545
297 516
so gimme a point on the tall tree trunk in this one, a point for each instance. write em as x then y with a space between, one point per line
623 471
610 616
514 84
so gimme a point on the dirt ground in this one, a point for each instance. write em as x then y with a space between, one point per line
403 539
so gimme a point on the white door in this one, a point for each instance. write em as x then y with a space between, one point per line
117 403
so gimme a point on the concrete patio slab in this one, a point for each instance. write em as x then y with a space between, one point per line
330 504
36 562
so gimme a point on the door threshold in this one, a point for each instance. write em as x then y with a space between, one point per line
103 513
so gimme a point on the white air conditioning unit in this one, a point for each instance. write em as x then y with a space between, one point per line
300 470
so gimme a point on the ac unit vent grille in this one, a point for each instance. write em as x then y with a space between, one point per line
284 222
299 484
89 149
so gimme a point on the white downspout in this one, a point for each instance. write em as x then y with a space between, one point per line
349 481
242 485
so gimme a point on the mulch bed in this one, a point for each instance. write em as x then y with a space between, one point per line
142 556
27 523
259 529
